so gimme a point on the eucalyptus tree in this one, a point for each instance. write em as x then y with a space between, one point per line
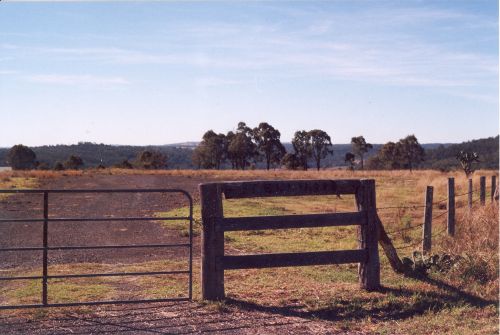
267 139
360 148
411 151
21 157
211 152
321 145
241 147
302 146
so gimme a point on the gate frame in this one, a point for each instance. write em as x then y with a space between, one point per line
214 261
46 248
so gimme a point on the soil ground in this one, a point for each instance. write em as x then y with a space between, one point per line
156 318
64 205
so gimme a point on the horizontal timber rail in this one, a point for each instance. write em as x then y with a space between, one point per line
214 262
285 188
290 221
293 259
46 248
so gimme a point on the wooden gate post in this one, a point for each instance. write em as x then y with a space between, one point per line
451 206
427 231
369 271
482 190
212 239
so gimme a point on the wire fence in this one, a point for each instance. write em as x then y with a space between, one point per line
474 200
423 206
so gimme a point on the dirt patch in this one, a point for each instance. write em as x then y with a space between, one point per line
96 233
167 318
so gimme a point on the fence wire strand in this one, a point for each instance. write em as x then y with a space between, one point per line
435 217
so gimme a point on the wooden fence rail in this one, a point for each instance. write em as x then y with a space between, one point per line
214 262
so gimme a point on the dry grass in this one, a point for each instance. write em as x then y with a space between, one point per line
476 242
462 301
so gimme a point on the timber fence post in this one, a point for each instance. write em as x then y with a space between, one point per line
482 190
493 187
212 242
369 270
469 197
427 231
451 207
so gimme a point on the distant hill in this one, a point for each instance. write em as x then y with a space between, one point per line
438 155
94 154
443 157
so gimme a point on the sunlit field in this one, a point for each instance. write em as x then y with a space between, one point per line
458 299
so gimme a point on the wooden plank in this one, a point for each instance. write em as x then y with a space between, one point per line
212 243
292 221
286 188
389 250
368 270
293 259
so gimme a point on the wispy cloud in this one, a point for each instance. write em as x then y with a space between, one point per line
77 80
313 48
7 72
216 81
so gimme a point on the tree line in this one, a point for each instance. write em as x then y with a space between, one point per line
246 146
259 147
21 157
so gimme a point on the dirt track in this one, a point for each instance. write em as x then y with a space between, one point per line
178 318
96 233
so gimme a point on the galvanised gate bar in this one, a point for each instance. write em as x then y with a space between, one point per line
45 220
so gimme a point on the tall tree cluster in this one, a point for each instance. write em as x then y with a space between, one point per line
407 153
246 146
315 144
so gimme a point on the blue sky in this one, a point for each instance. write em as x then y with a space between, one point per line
165 72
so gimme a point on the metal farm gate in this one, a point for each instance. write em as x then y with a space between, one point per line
46 248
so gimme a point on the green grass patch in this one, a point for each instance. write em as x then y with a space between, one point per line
8 182
281 240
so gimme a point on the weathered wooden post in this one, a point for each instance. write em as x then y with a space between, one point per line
469 197
427 231
493 187
212 248
482 190
369 270
451 207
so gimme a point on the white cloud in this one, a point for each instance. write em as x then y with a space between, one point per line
77 80
216 81
7 72
391 56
